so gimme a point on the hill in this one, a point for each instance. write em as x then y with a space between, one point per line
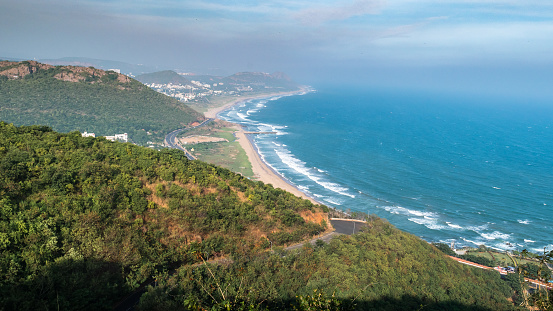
70 98
85 221
259 79
163 77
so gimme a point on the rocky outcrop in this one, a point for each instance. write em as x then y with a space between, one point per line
18 70
14 70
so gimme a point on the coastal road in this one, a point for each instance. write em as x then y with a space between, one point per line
171 138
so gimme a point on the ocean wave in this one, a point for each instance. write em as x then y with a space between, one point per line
405 211
303 188
496 235
471 241
249 112
242 116
539 250
529 241
453 225
331 201
428 223
265 127
524 222
299 166
478 229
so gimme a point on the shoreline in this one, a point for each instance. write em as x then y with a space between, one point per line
262 171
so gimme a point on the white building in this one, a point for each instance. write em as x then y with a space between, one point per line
122 137
85 134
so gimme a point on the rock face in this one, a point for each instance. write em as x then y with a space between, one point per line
18 70
14 70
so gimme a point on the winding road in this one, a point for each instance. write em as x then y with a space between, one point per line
171 138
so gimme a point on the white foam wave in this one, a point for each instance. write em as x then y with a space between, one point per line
453 225
335 202
471 241
428 223
524 222
299 166
496 235
242 116
477 229
539 250
405 211
303 188
265 127
529 241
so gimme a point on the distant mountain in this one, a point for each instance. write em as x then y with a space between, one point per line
241 82
257 79
125 68
163 77
70 98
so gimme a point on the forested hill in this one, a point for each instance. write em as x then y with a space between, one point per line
85 221
70 98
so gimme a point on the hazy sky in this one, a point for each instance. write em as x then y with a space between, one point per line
488 45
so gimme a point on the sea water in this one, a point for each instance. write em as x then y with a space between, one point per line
474 170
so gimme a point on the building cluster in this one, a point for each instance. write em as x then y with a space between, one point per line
117 137
188 92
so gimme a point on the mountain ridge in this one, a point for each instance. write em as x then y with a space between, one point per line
70 98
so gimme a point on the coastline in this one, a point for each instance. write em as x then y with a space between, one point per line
213 112
262 171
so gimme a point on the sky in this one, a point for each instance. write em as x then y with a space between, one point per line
488 46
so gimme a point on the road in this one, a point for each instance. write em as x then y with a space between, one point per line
535 283
171 138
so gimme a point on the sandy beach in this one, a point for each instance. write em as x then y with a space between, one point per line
261 170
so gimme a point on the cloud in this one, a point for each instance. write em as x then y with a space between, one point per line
320 15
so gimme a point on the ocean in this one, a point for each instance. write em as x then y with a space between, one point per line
447 168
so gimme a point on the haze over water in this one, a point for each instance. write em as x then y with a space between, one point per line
440 166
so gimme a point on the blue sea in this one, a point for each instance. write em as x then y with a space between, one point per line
445 167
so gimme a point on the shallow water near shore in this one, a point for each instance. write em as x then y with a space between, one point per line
443 167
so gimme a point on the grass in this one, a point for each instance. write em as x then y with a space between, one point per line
501 257
229 154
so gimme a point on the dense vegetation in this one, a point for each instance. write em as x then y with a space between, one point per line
101 105
382 269
83 221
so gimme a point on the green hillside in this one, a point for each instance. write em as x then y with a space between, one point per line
380 269
276 80
71 98
85 221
